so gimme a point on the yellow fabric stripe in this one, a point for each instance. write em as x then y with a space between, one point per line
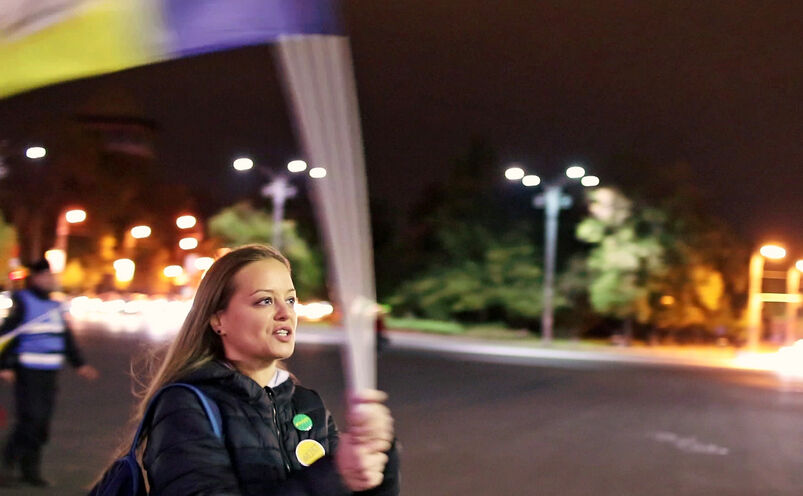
104 36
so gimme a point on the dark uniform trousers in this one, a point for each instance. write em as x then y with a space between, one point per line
35 394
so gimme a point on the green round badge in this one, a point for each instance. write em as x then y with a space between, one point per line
302 422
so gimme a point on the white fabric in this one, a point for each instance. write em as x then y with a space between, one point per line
41 358
279 377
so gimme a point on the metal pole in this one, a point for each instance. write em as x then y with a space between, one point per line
792 305
754 302
551 209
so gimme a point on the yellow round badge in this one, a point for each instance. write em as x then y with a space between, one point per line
308 451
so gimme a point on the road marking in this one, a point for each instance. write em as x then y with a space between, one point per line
689 444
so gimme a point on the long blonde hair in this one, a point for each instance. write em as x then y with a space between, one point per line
196 342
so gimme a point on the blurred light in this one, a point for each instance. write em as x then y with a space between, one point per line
799 265
297 166
186 222
789 361
575 172
243 164
188 243
514 173
173 271
140 232
667 300
75 216
315 310
17 274
35 152
317 172
531 180
589 181
203 263
57 259
124 269
771 251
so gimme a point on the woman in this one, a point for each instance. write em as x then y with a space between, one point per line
241 325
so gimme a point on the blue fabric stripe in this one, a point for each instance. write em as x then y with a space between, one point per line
200 26
41 343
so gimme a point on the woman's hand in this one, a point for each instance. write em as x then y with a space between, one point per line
369 420
359 467
360 456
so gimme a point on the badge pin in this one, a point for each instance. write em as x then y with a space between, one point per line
308 451
302 422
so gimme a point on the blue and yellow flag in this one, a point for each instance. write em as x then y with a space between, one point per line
48 41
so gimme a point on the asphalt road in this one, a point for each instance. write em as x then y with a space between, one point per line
469 427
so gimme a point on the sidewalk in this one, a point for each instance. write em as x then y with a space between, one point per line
681 356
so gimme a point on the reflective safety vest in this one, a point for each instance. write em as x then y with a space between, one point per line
41 342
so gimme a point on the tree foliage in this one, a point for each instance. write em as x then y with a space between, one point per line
242 224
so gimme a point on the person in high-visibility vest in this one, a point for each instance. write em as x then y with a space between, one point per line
35 341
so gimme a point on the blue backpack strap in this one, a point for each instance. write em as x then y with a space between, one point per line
210 408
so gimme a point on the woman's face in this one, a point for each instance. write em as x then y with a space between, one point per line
259 324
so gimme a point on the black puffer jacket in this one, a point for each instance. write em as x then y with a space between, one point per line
257 453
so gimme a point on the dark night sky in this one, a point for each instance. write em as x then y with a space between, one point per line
718 84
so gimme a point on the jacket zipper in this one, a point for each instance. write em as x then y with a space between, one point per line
279 436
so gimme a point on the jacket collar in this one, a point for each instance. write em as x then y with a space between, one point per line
224 375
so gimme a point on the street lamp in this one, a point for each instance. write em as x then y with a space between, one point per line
35 152
279 189
552 200
755 298
57 256
186 222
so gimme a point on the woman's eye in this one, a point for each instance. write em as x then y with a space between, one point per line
291 300
266 301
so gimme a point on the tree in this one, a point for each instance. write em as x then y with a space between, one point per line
242 224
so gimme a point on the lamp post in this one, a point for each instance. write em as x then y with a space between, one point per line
552 200
793 304
57 256
755 300
279 189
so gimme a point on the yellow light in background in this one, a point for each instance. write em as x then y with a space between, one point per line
124 269
75 216
772 251
185 222
57 259
203 263
667 300
140 232
173 271
799 265
188 243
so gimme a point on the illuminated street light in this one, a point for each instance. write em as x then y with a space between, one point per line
59 252
173 271
799 265
297 166
75 216
552 200
514 173
140 232
35 152
530 180
203 263
772 251
575 172
589 181
188 243
186 222
317 172
243 164
124 269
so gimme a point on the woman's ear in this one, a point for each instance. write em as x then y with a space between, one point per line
214 321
